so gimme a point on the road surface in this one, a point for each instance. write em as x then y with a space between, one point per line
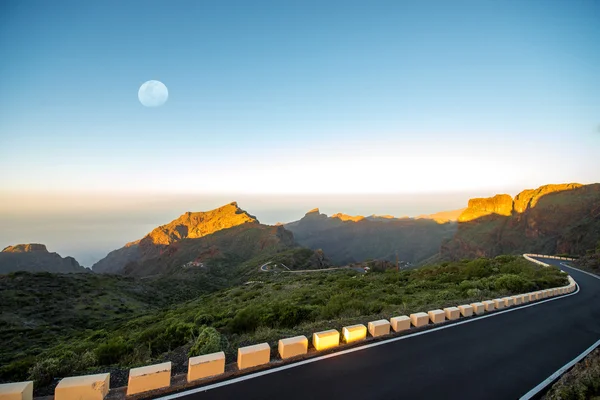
500 357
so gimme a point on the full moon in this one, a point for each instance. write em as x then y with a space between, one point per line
153 94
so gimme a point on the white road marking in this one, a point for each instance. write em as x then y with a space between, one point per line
352 350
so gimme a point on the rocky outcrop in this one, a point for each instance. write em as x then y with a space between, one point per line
500 204
34 257
529 198
550 219
191 225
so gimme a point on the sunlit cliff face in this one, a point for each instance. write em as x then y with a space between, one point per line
505 205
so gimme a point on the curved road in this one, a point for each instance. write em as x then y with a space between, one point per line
499 357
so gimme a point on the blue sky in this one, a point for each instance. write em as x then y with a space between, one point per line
306 96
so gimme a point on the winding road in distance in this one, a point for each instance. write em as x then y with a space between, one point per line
502 356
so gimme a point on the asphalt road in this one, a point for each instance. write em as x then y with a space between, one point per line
499 357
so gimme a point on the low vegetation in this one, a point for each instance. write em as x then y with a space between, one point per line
581 382
590 261
53 326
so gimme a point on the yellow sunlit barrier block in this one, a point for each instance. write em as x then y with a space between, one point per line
517 299
532 296
292 347
326 339
478 308
508 301
467 310
400 323
379 328
205 366
419 319
252 356
16 391
489 305
92 387
437 316
148 378
499 303
354 333
525 298
556 292
546 293
452 313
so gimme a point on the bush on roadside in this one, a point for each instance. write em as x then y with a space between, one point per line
208 341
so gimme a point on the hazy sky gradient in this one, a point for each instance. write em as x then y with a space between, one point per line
296 98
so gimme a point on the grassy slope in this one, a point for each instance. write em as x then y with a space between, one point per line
274 306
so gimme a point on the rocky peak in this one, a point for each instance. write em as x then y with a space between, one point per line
26 248
193 225
346 217
314 214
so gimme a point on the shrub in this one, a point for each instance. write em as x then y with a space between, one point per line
112 351
208 341
246 320
203 319
512 283
45 370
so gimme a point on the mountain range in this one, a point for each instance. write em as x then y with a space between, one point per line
550 219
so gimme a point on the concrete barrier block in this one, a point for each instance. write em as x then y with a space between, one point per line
419 319
525 298
252 356
499 303
148 378
379 328
508 301
326 339
452 313
532 296
437 316
466 310
518 299
292 347
478 308
556 292
400 324
489 305
354 333
92 387
205 366
539 295
16 391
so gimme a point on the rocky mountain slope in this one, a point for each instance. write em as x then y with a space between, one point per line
36 258
346 239
551 219
225 236
188 226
